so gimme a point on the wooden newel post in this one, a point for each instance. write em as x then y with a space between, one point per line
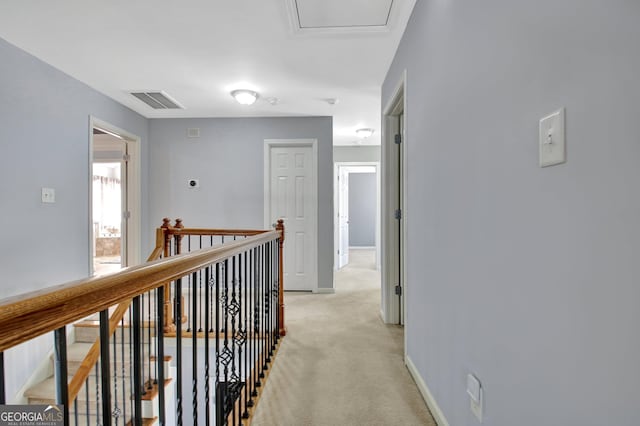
169 326
166 226
281 326
179 225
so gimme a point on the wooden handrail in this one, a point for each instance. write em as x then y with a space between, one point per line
216 232
30 315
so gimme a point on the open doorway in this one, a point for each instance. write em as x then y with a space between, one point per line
357 201
109 190
114 209
394 211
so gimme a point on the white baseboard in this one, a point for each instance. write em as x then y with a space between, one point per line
324 290
436 412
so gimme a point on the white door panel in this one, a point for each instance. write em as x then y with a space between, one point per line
343 217
292 199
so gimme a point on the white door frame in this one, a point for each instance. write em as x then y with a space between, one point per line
336 205
397 104
134 223
283 143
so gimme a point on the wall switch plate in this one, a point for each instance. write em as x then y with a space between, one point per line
474 390
48 195
552 139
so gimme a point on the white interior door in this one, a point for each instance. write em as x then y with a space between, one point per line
343 217
293 198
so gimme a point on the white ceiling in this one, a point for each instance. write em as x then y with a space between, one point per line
199 50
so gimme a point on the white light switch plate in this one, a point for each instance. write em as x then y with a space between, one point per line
48 195
552 139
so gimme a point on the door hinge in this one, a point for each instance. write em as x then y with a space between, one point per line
126 157
398 290
398 214
398 139
126 215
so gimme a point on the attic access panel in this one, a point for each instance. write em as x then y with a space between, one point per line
342 13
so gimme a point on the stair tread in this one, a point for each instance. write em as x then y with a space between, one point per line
76 352
46 390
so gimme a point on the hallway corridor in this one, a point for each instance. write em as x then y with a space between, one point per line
339 364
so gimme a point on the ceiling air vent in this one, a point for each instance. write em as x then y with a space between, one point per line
157 100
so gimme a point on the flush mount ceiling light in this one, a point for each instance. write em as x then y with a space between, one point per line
245 97
364 133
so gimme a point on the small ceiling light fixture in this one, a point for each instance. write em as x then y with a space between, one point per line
273 101
245 97
332 101
364 133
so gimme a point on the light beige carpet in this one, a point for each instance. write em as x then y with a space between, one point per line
339 364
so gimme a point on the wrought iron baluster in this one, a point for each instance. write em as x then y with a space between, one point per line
138 385
277 287
86 397
189 283
274 293
123 369
178 293
240 340
97 374
140 345
267 308
233 307
194 355
105 367
160 355
117 412
207 330
200 313
247 327
261 344
149 343
268 298
60 365
75 411
255 325
218 396
132 383
153 327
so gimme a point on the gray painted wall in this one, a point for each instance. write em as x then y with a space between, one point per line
44 132
362 209
527 277
356 153
228 160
